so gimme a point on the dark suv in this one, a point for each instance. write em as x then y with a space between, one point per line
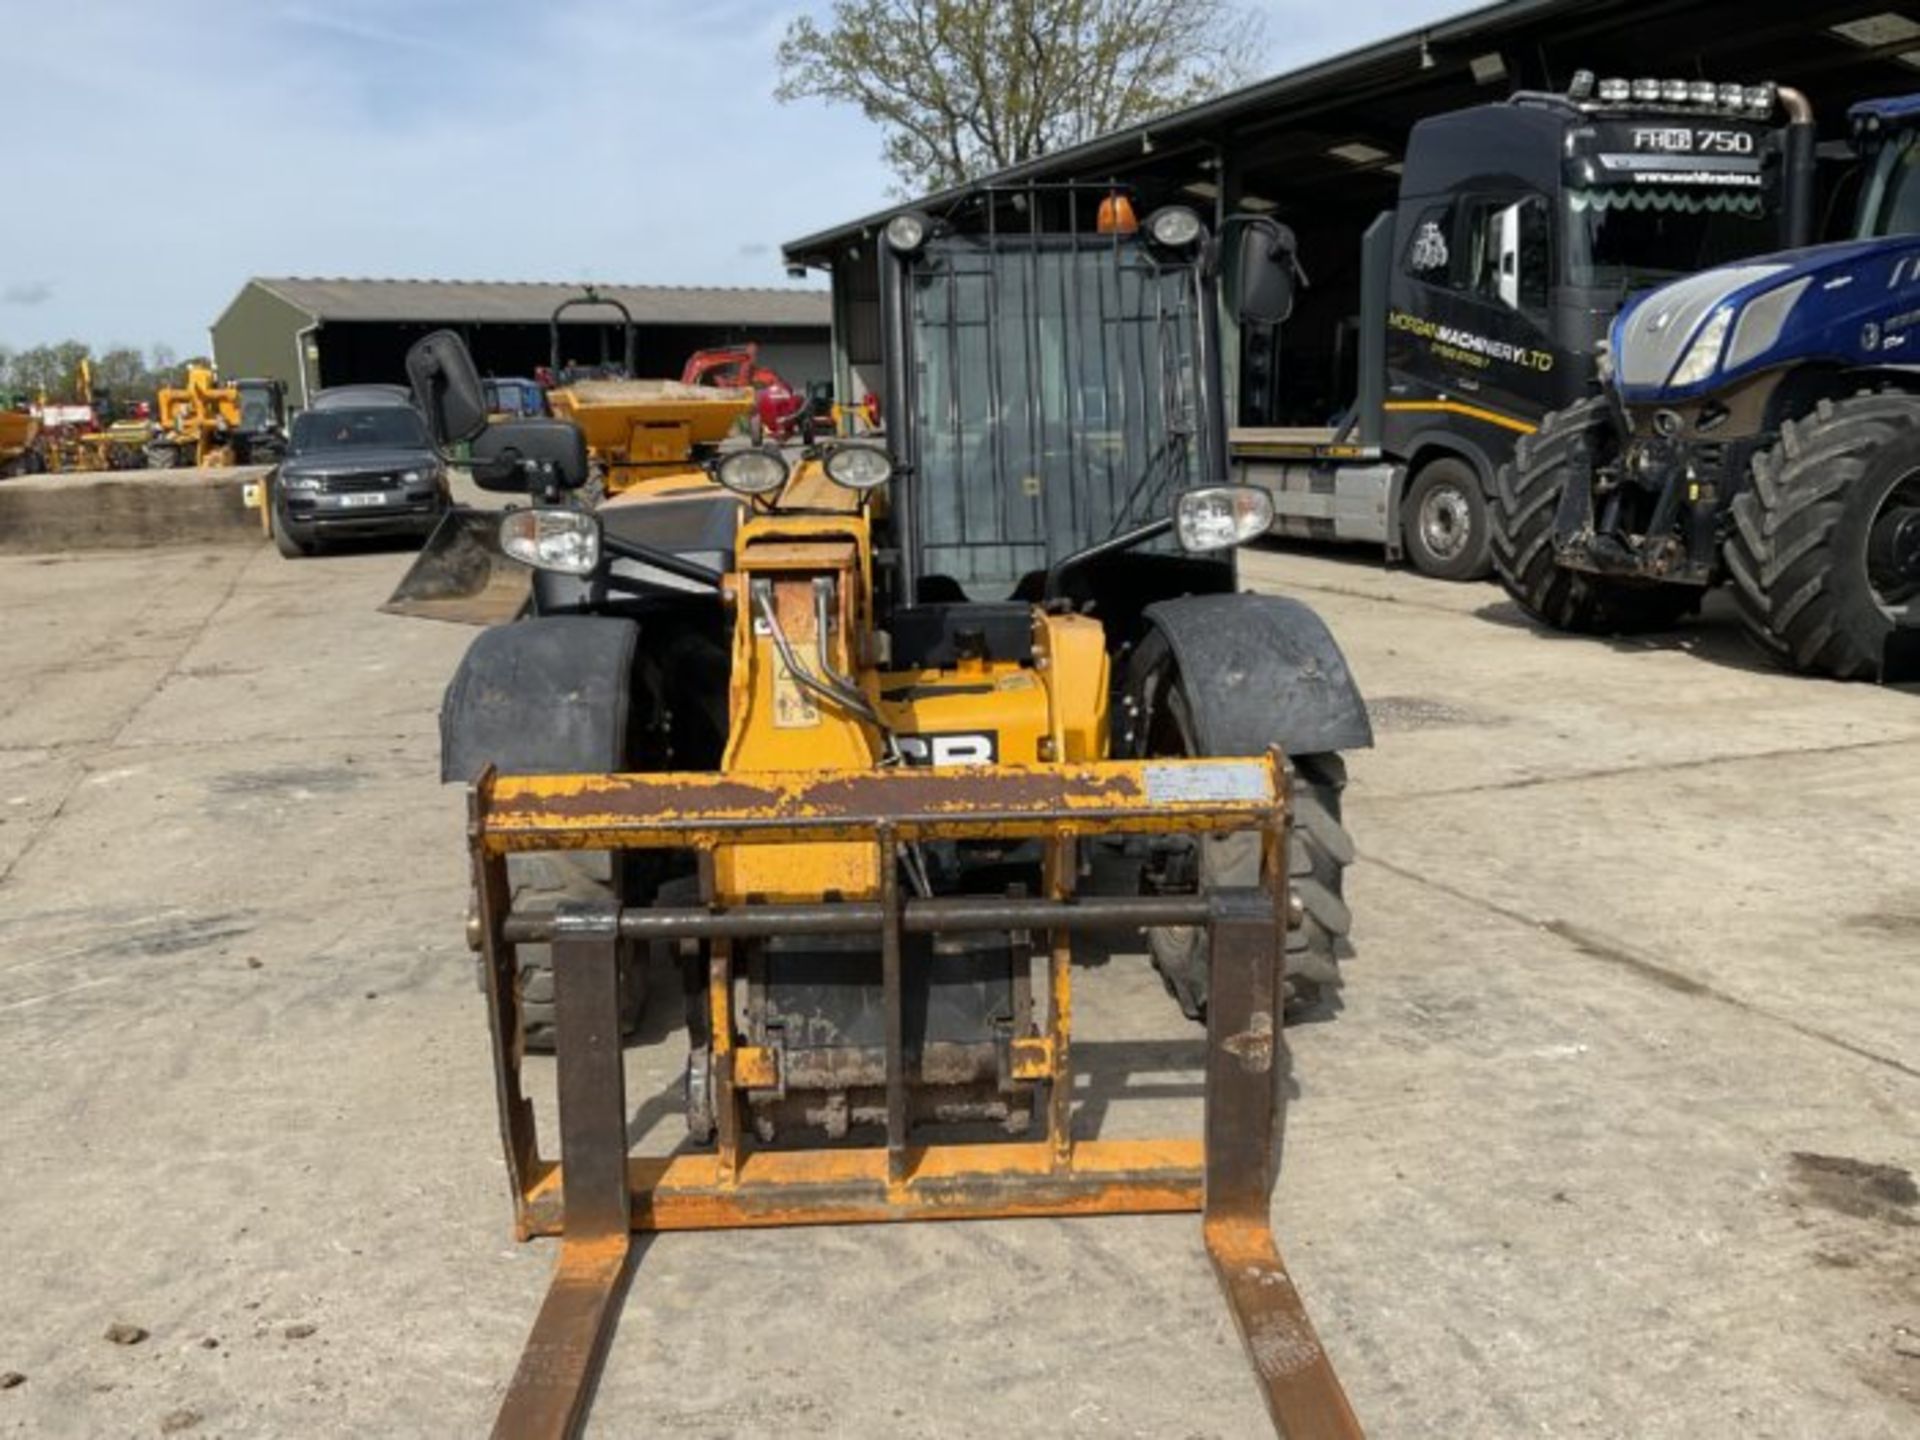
362 467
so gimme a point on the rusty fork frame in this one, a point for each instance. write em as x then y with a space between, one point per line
595 1194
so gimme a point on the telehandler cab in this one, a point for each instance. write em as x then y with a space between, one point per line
842 733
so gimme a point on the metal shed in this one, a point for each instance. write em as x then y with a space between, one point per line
314 333
1321 146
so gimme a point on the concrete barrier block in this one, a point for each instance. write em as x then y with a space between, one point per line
130 509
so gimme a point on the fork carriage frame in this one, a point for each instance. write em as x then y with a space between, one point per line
594 1195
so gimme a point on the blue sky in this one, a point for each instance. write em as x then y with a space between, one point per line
174 152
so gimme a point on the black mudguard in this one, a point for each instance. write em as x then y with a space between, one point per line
545 696
1262 670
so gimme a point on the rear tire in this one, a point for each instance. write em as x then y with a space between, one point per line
1444 521
1526 496
1798 555
1318 853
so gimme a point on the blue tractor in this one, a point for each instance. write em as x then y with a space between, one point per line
1758 424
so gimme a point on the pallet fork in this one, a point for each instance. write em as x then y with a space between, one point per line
594 1195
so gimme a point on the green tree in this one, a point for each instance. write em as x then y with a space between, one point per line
964 87
123 371
48 368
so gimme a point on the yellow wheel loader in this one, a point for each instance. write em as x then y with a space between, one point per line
843 731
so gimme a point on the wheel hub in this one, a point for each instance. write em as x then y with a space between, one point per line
1446 522
1893 549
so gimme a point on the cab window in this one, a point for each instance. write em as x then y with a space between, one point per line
1505 252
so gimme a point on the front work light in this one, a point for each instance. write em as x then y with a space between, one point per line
859 467
1173 227
751 472
1221 516
548 538
907 232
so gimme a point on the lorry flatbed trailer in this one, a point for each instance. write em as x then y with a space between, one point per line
1311 472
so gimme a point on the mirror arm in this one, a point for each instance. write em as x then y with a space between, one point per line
662 560
1152 530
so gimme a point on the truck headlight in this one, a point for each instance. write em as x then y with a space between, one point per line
1221 516
547 538
859 467
1703 356
751 472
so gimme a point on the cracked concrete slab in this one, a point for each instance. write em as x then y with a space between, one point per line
1608 1138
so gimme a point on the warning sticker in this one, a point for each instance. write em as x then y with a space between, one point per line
1172 784
793 708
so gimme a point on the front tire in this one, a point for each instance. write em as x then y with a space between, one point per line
1319 850
1526 498
1806 575
543 881
286 544
1444 521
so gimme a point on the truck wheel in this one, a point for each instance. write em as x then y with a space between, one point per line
1526 496
1444 521
1825 546
541 882
1318 853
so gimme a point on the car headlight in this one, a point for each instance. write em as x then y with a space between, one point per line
1221 516
565 541
859 467
410 477
1175 227
751 472
298 481
1703 356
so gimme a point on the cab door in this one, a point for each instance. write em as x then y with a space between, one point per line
1472 339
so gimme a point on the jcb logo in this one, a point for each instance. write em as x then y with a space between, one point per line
957 747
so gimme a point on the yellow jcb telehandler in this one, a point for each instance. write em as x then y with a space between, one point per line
846 732
206 424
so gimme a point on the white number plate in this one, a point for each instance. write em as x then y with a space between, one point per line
376 497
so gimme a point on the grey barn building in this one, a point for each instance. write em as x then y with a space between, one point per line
315 333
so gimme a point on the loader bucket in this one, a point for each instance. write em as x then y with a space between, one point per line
461 574
593 1194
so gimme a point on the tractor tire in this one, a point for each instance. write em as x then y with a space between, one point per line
1444 521
163 457
1526 497
1319 850
1799 555
541 882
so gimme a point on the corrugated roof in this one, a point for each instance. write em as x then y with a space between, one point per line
448 302
1479 23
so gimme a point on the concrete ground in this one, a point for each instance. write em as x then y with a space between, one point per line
1613 1137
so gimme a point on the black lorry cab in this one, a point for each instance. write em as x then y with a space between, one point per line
1520 229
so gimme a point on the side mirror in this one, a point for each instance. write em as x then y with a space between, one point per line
1266 271
447 388
529 456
